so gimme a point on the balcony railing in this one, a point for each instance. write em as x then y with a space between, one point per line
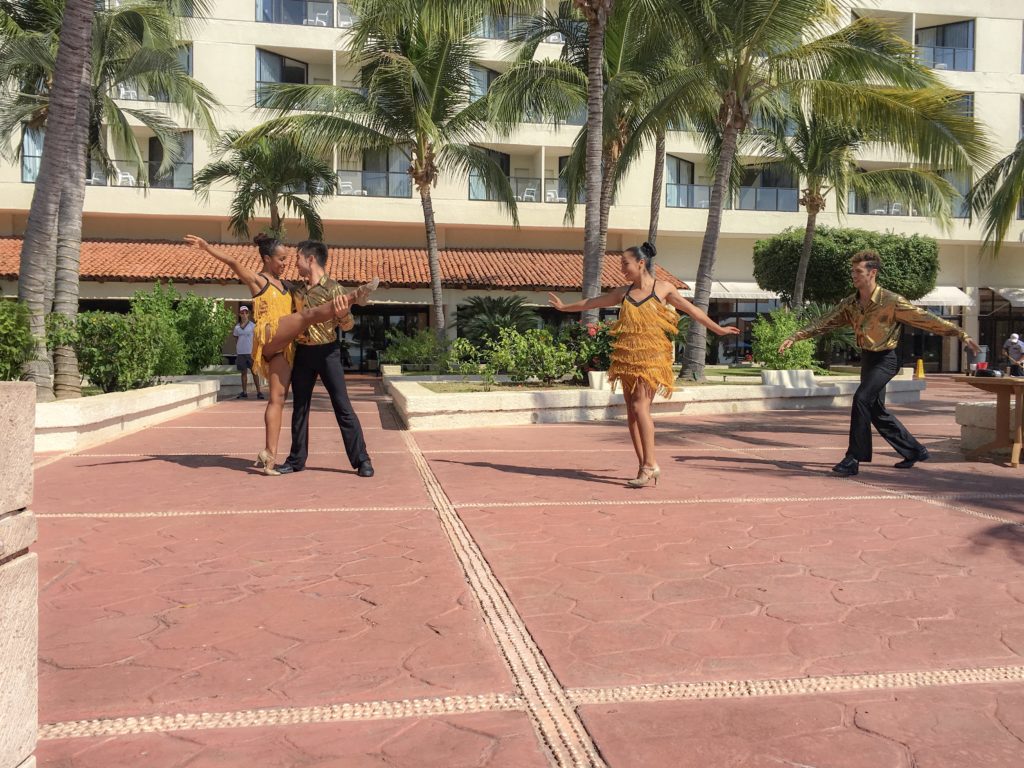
687 196
556 191
940 57
526 189
302 12
768 199
876 206
374 184
178 177
126 175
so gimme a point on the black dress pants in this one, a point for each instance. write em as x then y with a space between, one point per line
876 371
323 360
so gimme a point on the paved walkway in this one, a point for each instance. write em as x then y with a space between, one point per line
496 597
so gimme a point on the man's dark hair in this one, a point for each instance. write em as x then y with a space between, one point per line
314 248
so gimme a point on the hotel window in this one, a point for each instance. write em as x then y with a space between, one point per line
272 68
481 79
31 153
947 46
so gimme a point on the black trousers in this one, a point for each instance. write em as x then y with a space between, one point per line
323 360
876 371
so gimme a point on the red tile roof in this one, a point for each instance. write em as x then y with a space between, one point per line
507 269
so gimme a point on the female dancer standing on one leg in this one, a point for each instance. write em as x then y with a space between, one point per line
642 346
277 326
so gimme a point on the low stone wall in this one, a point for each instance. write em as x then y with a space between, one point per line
19 580
68 425
978 424
422 409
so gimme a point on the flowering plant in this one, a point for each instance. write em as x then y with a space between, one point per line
592 343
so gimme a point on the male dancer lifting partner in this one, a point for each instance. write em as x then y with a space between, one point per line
875 315
318 353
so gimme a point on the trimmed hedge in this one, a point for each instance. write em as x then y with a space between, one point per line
16 343
910 264
117 352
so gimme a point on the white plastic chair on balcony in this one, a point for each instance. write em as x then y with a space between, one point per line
124 178
896 209
345 188
320 19
127 92
530 195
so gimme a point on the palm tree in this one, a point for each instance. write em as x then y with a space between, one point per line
756 57
414 98
273 172
135 48
38 258
997 197
638 62
929 125
482 317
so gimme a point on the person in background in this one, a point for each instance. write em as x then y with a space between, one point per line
243 353
1013 351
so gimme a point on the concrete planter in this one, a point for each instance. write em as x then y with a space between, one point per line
390 370
19 580
978 425
598 379
68 425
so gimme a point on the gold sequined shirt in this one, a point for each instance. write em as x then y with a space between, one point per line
877 326
309 296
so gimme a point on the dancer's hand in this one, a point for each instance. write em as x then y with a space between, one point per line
197 242
973 346
362 294
728 330
342 305
785 345
556 302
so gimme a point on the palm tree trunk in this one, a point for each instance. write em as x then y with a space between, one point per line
433 262
805 260
696 339
593 250
67 379
38 256
275 220
607 195
657 186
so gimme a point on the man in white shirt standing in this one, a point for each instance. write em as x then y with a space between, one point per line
1013 350
243 352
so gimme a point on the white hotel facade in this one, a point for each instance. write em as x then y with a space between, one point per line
975 44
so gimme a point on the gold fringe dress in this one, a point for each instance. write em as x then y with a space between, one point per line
642 348
268 307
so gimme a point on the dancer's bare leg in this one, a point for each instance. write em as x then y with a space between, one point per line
634 431
290 327
641 398
280 378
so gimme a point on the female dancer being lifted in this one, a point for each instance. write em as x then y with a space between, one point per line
277 326
642 346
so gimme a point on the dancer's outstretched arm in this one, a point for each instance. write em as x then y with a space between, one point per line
683 305
249 278
609 299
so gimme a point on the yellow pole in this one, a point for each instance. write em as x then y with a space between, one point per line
919 370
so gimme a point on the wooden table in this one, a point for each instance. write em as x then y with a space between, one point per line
1007 435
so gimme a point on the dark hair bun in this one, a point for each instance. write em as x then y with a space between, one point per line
648 251
262 238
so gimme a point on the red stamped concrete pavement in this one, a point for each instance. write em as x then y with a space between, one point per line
176 580
934 728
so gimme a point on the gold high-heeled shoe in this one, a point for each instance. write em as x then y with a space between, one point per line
362 293
647 476
265 463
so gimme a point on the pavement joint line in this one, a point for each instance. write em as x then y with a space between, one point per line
224 512
554 717
888 494
203 453
795 686
256 718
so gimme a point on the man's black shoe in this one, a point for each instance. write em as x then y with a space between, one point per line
242 396
922 455
286 469
847 467
365 469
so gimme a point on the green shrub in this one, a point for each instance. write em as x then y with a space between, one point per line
16 343
422 348
531 355
203 324
770 331
116 352
592 344
463 359
158 304
482 317
910 264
